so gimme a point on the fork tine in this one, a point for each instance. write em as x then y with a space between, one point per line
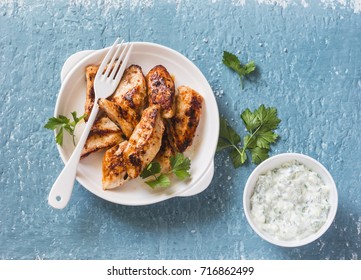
127 51
119 61
106 59
110 67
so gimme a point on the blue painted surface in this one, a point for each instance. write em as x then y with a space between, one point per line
309 61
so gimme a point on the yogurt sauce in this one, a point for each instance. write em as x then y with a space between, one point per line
290 202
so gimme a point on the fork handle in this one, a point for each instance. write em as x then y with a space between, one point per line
60 192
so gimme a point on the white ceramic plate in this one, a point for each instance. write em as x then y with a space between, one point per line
136 192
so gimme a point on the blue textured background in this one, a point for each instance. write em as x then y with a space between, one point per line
309 58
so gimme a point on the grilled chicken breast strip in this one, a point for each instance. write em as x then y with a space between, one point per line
161 90
117 115
145 142
131 94
104 134
185 121
114 173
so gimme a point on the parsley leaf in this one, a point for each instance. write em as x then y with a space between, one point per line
260 125
63 123
238 157
180 168
162 180
232 61
259 154
151 169
228 137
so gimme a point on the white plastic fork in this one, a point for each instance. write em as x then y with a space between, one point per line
105 83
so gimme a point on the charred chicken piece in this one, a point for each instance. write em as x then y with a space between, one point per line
185 122
145 141
114 173
117 115
90 73
103 135
131 93
161 90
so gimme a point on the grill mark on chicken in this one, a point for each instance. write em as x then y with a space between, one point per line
135 160
84 155
193 111
100 132
129 97
104 134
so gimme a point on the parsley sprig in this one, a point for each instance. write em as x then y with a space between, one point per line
180 168
260 125
232 61
63 123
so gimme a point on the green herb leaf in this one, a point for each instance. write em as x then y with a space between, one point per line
266 138
59 136
228 137
53 122
153 168
250 67
63 123
223 144
260 125
182 174
259 154
250 120
267 118
232 61
76 119
162 180
180 168
238 158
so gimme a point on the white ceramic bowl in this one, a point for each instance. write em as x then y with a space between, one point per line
136 192
274 162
